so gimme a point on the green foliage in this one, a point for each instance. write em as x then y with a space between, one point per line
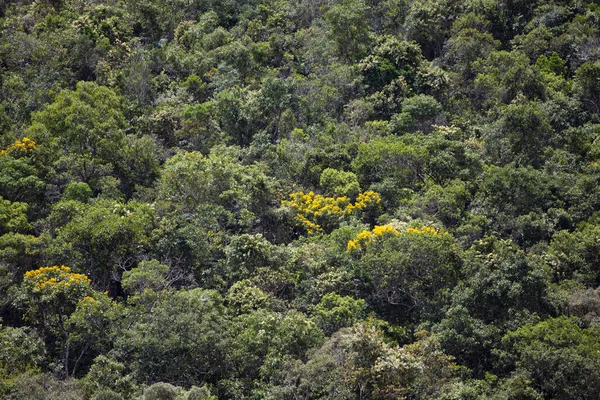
518 201
20 252
335 312
554 64
349 28
503 76
202 393
426 23
107 377
36 386
470 43
520 135
107 395
245 297
147 275
392 159
448 204
339 183
357 363
49 294
233 194
82 131
263 339
412 273
572 255
52 299
78 191
160 391
391 59
246 253
22 350
91 328
18 180
269 200
181 339
103 236
558 356
418 113
13 216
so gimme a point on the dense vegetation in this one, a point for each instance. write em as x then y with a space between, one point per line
299 199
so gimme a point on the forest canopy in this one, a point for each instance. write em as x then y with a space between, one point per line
299 199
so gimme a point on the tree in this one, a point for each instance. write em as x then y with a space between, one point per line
390 158
412 273
22 349
235 195
103 238
231 107
138 165
503 76
182 340
107 374
573 255
448 204
587 77
505 193
21 252
262 340
358 363
427 23
520 135
48 297
503 289
349 28
389 60
81 132
245 254
19 180
316 214
339 183
469 42
335 312
91 328
13 217
559 357
418 113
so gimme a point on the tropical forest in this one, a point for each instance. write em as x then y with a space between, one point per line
299 199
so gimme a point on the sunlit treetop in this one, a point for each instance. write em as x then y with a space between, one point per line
56 278
20 147
366 238
426 230
317 213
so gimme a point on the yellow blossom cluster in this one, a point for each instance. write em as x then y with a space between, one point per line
365 238
366 200
87 302
20 147
52 278
316 213
427 230
88 299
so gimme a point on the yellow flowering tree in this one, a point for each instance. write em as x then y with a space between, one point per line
20 147
49 296
365 238
316 213
56 288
